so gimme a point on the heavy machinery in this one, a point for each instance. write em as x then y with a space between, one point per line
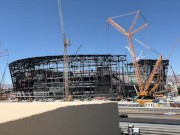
131 130
65 53
143 85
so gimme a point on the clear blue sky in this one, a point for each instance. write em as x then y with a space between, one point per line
30 28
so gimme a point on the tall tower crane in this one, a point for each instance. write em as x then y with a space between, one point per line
65 52
143 87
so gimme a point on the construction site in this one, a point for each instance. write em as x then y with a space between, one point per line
93 94
93 75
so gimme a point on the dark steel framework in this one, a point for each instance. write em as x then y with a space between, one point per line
88 74
146 67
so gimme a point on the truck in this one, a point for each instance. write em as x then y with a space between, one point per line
131 130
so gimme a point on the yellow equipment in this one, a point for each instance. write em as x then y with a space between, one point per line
144 90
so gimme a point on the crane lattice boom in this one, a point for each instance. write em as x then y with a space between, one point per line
129 36
143 88
65 52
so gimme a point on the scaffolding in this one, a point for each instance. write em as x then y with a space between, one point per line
96 75
88 74
146 67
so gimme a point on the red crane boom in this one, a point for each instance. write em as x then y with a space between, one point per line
143 87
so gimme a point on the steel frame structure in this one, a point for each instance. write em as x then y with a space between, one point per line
88 74
146 67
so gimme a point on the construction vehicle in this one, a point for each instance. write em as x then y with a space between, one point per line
131 130
144 90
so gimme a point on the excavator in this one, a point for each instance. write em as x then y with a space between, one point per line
145 94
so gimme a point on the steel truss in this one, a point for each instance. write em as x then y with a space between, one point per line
146 67
88 74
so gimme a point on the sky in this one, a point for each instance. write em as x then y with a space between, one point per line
31 28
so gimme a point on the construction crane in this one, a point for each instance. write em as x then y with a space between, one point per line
174 47
2 54
141 55
144 90
175 79
2 82
79 47
65 52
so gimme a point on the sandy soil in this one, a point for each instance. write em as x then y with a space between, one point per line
19 110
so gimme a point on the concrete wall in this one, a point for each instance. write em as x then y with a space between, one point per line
90 119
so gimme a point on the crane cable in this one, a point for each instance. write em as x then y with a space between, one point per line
114 17
173 49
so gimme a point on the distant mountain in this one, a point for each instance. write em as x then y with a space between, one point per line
171 77
7 86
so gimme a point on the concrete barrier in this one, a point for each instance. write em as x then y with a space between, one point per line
83 119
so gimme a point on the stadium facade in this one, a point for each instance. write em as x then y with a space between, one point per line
88 74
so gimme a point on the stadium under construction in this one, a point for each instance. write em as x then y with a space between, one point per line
95 75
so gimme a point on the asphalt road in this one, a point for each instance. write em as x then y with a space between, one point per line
150 121
152 115
153 129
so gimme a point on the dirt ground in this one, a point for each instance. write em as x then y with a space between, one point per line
63 118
